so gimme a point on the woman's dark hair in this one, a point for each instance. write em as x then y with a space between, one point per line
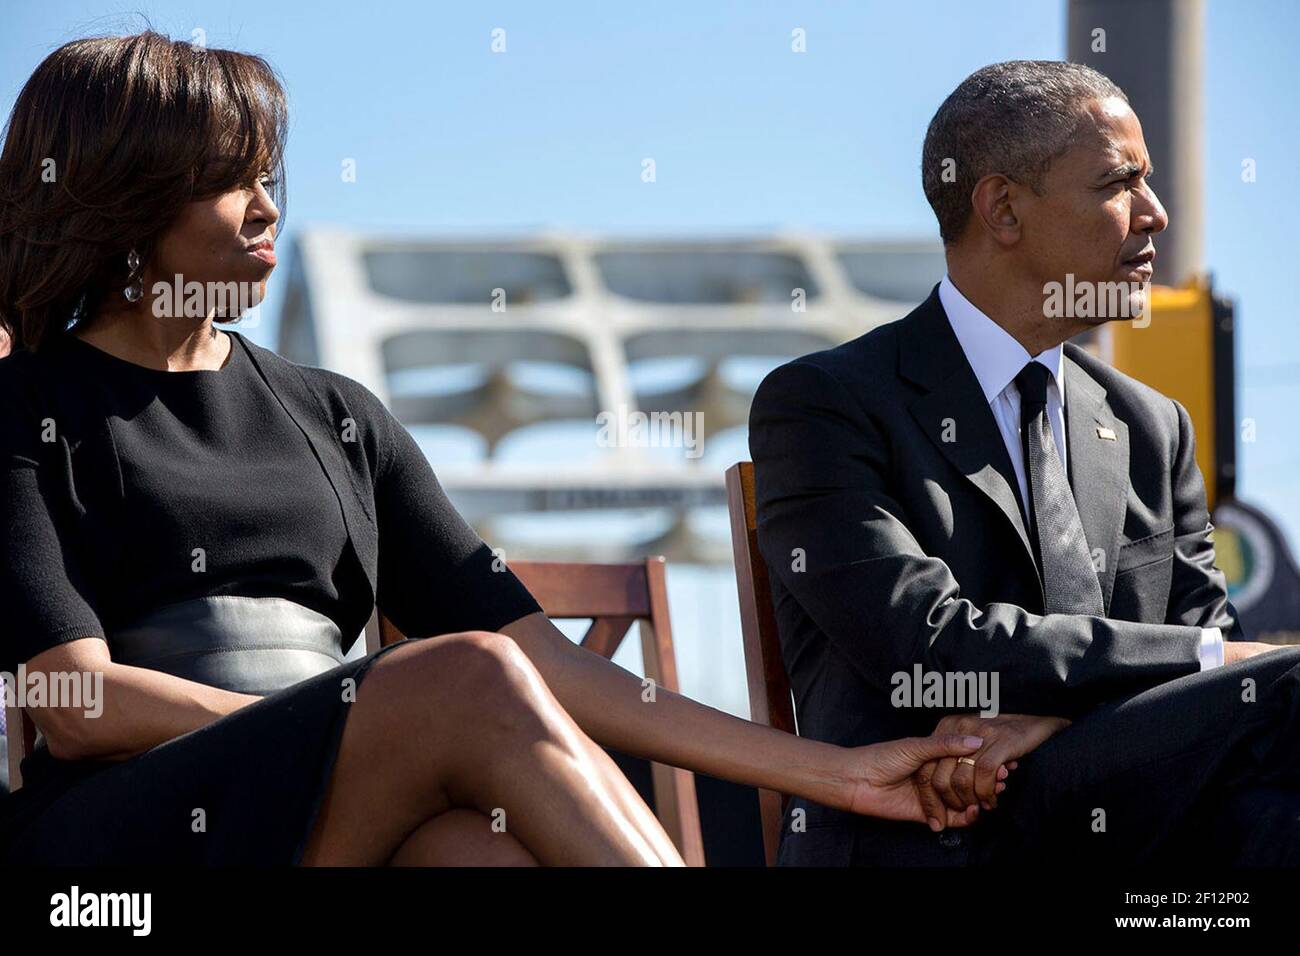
109 139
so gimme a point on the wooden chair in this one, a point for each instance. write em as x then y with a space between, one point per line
770 702
614 596
20 733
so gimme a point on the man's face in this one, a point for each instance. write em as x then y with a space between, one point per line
1098 215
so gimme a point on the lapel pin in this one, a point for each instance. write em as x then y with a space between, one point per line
1106 433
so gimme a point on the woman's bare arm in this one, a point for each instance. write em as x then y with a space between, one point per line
134 708
609 704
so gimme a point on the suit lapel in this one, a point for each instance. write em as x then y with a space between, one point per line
955 415
1098 453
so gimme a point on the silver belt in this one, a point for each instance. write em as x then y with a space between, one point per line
250 645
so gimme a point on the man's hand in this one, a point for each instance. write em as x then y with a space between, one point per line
1242 650
946 784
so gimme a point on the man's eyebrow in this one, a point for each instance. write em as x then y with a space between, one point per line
1126 171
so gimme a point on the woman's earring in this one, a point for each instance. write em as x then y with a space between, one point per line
135 284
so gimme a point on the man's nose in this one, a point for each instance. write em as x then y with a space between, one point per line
1149 215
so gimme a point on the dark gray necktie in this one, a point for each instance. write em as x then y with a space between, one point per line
1069 579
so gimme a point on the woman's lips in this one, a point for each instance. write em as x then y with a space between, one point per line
265 253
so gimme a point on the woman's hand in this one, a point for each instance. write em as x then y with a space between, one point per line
882 778
946 784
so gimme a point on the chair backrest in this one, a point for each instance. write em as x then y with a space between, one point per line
20 734
614 596
770 702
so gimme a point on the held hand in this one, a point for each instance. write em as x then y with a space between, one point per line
956 785
1242 650
882 781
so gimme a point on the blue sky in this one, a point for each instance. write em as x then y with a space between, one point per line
449 137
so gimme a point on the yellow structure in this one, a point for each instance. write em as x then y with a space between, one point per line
1173 351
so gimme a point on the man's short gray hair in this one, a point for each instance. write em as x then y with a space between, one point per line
1011 118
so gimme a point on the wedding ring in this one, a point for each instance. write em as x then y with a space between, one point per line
969 760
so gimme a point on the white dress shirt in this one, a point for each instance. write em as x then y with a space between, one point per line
997 358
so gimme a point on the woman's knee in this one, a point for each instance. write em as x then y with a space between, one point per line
480 671
482 660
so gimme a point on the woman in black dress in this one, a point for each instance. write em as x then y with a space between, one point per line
199 529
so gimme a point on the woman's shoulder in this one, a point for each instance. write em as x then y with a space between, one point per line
346 401
22 376
352 393
17 368
325 383
23 406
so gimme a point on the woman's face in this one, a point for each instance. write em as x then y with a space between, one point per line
226 239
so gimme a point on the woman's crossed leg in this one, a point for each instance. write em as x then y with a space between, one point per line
456 752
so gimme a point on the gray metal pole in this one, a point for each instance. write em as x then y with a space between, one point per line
1153 49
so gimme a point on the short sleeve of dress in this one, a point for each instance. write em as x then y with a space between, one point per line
436 575
44 600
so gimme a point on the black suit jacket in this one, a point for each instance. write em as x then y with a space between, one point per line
888 516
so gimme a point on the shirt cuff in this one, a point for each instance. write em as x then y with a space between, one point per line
1211 648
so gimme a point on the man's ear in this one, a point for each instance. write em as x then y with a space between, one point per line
993 208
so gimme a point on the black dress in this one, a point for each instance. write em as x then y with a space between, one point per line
128 489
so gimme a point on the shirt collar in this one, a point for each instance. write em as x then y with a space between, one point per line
993 353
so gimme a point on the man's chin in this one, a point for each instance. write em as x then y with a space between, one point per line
1093 302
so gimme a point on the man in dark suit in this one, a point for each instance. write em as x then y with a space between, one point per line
960 500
